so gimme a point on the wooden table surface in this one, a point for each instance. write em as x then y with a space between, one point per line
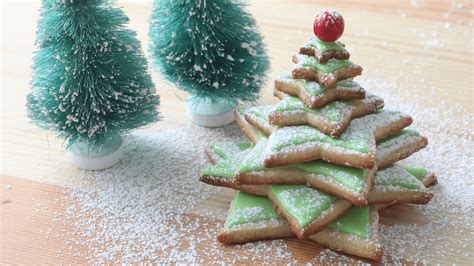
415 44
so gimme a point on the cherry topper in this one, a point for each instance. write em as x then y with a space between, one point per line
328 26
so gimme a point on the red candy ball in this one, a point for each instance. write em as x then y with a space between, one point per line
328 26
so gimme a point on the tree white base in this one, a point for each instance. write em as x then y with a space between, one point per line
102 158
211 120
206 114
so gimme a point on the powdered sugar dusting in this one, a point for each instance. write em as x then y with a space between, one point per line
302 203
389 146
395 178
139 210
135 211
449 227
359 136
329 257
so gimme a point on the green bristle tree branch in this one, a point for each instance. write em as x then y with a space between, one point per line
90 76
209 48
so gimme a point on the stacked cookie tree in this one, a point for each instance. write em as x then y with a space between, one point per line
321 161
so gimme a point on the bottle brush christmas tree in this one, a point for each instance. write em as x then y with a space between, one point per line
90 80
211 49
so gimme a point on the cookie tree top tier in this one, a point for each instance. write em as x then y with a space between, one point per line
324 59
210 49
90 76
328 26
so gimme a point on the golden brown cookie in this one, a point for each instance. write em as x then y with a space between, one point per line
316 95
307 67
352 184
331 119
253 218
323 51
355 147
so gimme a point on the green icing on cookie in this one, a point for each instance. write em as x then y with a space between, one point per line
254 160
225 149
245 145
241 110
330 66
396 176
296 135
350 177
290 104
332 111
357 137
356 221
304 204
312 87
347 83
323 46
219 150
247 209
227 168
223 169
404 132
419 173
261 111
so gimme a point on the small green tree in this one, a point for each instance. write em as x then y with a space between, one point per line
209 48
90 76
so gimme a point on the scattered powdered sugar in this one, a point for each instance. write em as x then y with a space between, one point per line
136 211
329 257
449 230
434 44
139 209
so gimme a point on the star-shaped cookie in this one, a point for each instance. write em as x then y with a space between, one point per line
316 95
253 218
355 147
323 51
331 119
308 67
244 166
397 184
296 144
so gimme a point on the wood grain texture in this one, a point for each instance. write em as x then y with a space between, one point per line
392 39
34 207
